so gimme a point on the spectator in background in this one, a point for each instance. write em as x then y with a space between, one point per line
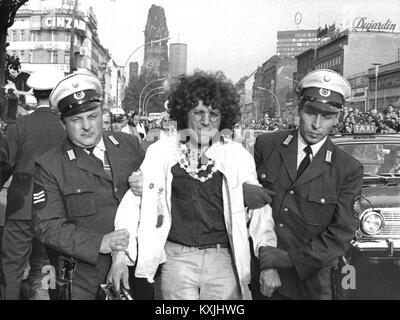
106 120
119 123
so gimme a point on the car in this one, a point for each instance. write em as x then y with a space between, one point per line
375 249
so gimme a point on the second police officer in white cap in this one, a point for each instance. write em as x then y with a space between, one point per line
79 185
317 186
28 137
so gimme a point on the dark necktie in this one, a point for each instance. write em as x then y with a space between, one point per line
305 162
91 154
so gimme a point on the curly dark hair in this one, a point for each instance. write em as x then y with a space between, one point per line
213 89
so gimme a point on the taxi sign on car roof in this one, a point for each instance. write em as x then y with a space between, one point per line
364 128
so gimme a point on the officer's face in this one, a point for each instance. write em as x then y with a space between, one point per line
118 124
106 122
315 124
204 121
85 129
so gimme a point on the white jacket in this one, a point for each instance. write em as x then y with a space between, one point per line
139 215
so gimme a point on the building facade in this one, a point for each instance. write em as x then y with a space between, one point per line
352 53
291 43
273 87
41 38
178 59
388 86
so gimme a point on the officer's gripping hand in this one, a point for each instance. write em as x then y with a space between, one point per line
269 281
118 271
115 241
136 183
255 196
271 257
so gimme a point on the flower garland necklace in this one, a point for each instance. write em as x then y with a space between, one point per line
187 159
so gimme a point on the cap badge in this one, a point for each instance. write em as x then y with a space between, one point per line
324 92
327 78
79 95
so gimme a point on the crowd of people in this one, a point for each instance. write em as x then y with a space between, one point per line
189 215
387 121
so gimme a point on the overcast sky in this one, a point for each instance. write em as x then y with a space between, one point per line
234 36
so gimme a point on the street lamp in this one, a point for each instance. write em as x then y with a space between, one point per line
276 98
147 94
376 64
147 102
147 84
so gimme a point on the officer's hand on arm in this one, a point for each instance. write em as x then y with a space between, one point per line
271 257
115 241
136 183
255 196
269 281
118 271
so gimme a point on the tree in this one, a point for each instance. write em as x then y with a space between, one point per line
8 9
135 87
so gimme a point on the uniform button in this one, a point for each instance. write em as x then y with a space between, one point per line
151 186
281 225
322 200
286 210
160 190
291 192
263 176
115 189
79 190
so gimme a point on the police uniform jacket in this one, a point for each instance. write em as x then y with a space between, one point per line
314 215
29 137
75 202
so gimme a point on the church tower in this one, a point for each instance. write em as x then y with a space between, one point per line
156 55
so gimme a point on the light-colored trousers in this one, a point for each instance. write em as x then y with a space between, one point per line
197 274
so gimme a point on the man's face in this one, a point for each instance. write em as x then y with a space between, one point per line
315 124
85 129
106 122
205 122
118 124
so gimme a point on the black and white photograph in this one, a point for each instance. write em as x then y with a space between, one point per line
199 154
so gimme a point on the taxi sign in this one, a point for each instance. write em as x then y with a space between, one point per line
364 128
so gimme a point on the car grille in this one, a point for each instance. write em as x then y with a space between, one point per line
392 224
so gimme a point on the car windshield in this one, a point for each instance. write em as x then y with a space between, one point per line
378 159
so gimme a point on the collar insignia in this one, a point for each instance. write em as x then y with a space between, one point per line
288 140
71 155
114 141
328 156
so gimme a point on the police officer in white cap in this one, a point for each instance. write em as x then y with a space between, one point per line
317 186
27 138
78 187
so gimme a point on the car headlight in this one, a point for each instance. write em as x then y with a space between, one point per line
371 223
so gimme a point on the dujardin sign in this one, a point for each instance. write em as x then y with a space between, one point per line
365 24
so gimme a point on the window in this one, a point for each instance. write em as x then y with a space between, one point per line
14 35
54 58
22 35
